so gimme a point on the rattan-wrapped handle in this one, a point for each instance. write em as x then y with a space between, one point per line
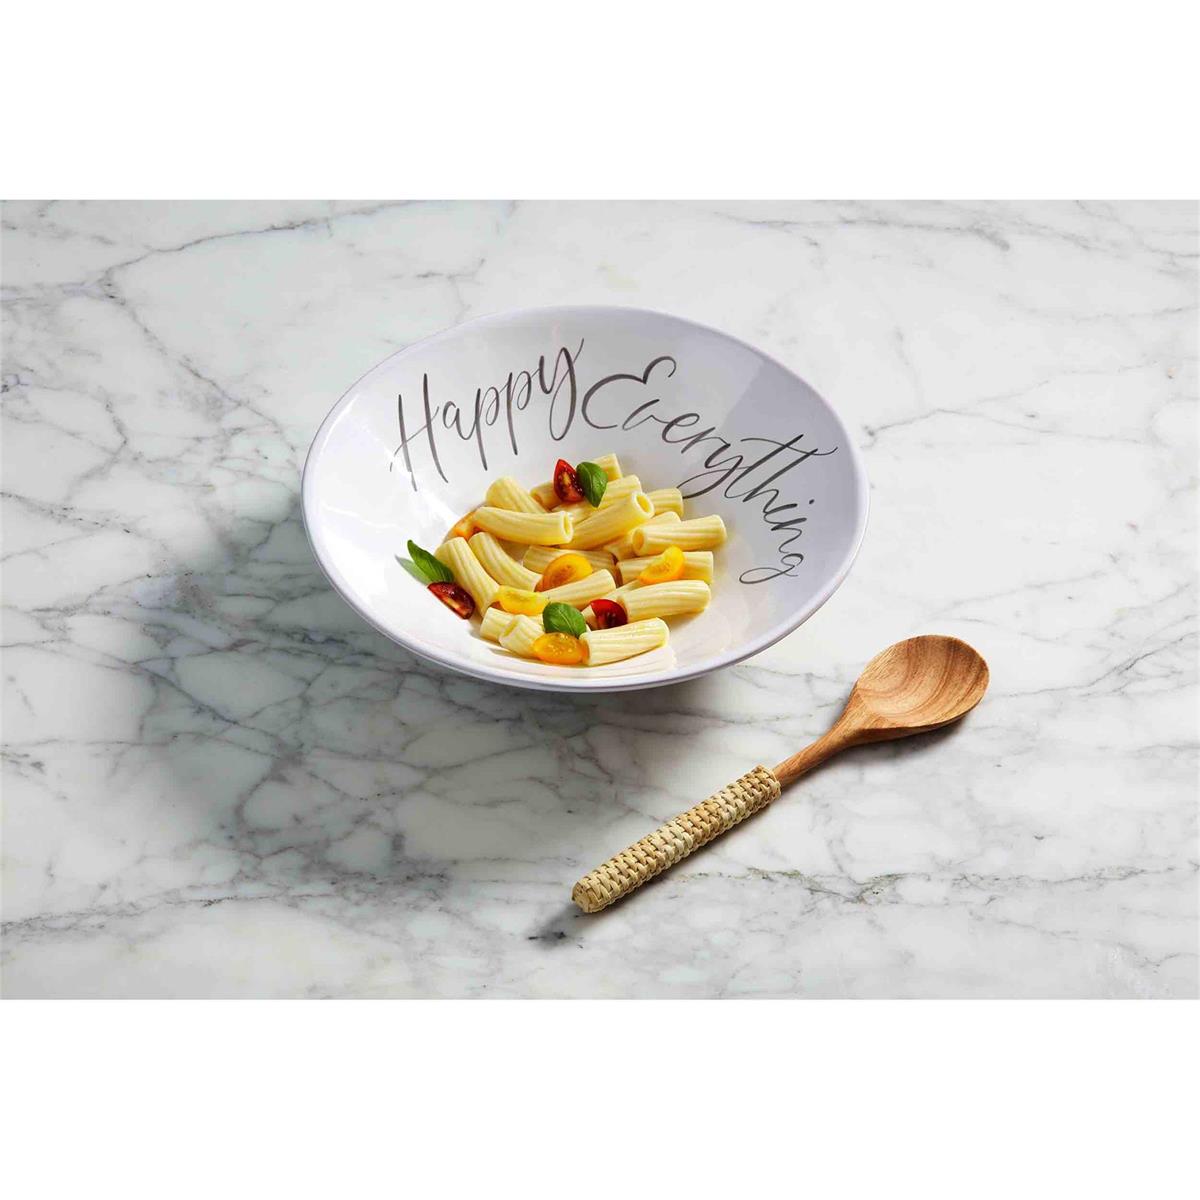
675 840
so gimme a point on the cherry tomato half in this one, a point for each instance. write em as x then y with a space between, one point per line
455 598
609 614
561 649
566 483
566 568
519 601
667 567
464 527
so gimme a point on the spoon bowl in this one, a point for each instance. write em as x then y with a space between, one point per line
916 685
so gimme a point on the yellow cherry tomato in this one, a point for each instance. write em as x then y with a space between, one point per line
464 527
666 567
519 601
561 649
566 568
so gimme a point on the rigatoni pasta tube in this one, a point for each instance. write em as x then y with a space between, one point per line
581 591
697 564
521 634
703 533
617 593
618 489
610 523
609 464
495 622
534 529
623 547
666 599
547 497
579 511
666 500
613 645
545 494
506 492
468 572
496 562
538 558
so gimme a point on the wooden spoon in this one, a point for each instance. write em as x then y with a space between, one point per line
912 687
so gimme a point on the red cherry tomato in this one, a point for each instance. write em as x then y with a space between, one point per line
609 614
455 598
566 483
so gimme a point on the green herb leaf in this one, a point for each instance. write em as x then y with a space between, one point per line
433 570
563 618
593 482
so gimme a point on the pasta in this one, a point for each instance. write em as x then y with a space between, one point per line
610 523
545 494
536 529
578 584
521 634
506 492
582 591
577 512
667 500
456 554
618 490
701 534
697 564
496 562
538 558
623 546
666 599
495 622
613 645
610 465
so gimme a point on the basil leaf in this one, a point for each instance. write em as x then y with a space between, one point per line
563 618
593 482
433 570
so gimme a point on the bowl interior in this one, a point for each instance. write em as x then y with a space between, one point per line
412 446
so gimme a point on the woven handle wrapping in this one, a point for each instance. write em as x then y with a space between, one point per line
675 840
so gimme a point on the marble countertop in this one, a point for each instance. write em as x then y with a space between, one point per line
220 782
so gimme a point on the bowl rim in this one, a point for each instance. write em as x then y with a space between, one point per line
573 682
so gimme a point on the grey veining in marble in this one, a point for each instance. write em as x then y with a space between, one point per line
219 782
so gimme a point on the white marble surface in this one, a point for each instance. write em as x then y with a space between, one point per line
219 782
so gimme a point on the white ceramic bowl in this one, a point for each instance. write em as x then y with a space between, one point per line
680 404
